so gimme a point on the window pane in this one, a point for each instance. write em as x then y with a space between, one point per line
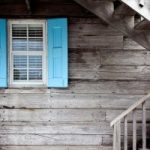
19 44
35 67
27 56
20 67
35 74
35 61
35 44
19 30
20 61
35 30
20 74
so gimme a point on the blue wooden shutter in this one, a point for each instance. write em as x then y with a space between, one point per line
3 54
57 53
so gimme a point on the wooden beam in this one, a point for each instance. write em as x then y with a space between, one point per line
43 10
28 4
123 18
122 22
102 9
105 11
144 133
143 25
124 10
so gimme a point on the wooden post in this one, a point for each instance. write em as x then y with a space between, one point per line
144 126
117 136
134 130
125 133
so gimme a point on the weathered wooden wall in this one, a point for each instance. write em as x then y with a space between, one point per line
107 73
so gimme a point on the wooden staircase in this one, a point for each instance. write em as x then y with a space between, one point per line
122 16
123 118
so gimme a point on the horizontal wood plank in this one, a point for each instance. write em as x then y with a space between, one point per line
105 42
62 115
52 115
130 44
46 139
82 71
92 87
56 147
67 101
100 128
125 58
112 114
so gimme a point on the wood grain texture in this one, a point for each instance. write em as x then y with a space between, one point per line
107 73
75 128
93 87
61 128
46 139
56 147
104 42
52 115
67 101
62 115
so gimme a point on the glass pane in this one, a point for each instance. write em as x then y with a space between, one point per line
20 67
35 30
19 44
35 74
20 61
35 44
20 74
19 30
27 66
35 62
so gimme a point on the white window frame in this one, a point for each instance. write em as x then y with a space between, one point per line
36 83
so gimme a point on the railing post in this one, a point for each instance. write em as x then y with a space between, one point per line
125 133
116 124
134 130
143 126
117 136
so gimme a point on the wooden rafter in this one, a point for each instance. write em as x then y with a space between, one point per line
123 22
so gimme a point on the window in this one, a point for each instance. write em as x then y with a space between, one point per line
37 53
27 52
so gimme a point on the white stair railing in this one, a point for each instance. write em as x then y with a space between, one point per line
116 124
